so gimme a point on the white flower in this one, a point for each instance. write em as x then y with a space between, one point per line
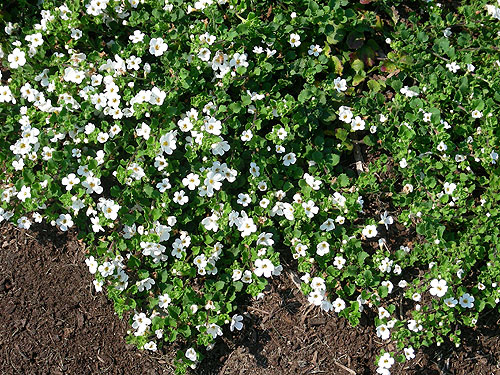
442 146
64 222
315 50
339 262
109 208
191 354
180 197
477 114
339 305
204 54
340 84
137 36
210 223
164 300
237 275
466 301
236 322
369 231
383 332
289 159
317 283
24 193
322 248
93 185
191 181
98 285
294 40
163 185
386 361
92 264
102 137
214 330
316 297
328 225
247 277
96 227
140 324
403 163
244 199
213 181
151 345
106 269
450 302
263 267
409 353
282 133
213 126
254 170
386 220
345 114
310 209
438 287
23 222
258 50
389 285
220 148
449 188
144 131
246 135
17 58
145 284
357 124
453 67
157 96
76 34
157 46
36 216
239 59
494 157
264 202
168 142
207 38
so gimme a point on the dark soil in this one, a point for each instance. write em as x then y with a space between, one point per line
52 322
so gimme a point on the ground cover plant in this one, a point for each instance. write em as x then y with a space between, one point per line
195 146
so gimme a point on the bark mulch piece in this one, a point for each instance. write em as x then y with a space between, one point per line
52 322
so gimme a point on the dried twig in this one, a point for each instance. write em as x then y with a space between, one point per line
345 368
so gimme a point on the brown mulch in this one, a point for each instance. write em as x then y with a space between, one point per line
53 322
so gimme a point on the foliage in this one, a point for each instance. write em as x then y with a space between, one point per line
194 145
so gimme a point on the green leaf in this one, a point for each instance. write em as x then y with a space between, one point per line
235 107
343 180
332 159
357 65
304 95
373 85
361 257
357 79
219 285
133 262
383 291
341 134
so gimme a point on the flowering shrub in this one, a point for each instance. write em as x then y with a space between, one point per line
193 144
